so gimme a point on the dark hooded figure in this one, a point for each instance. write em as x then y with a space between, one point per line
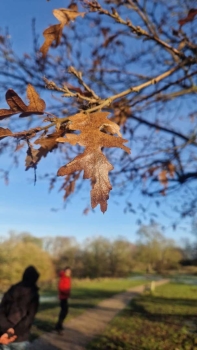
18 308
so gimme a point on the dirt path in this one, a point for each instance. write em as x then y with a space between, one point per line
82 329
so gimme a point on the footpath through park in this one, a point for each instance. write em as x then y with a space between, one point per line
81 330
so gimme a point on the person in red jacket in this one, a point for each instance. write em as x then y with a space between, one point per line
64 288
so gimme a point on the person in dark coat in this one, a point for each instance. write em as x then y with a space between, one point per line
18 308
64 288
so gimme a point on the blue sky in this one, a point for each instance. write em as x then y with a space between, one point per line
28 207
25 207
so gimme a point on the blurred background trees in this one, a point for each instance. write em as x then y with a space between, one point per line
158 252
19 251
93 258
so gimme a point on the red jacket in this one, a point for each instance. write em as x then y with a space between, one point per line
64 286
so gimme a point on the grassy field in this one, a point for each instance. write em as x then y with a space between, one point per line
166 320
85 294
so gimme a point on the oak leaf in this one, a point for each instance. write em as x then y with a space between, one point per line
16 104
94 129
54 32
36 104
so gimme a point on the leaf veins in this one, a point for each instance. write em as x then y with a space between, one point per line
94 135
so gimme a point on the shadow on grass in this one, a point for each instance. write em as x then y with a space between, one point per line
172 301
86 293
155 309
72 339
82 299
152 323
40 327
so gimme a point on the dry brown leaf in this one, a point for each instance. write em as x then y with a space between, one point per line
92 161
190 17
32 158
36 104
5 133
171 169
16 104
54 33
96 167
51 34
69 184
67 15
14 101
163 178
47 143
73 7
163 175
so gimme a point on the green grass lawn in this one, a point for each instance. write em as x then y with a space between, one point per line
85 294
166 320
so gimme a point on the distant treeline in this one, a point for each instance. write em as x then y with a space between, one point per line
94 258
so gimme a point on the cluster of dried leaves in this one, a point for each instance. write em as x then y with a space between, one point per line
53 34
91 129
16 104
96 132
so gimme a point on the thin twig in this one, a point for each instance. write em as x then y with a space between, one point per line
78 75
67 92
135 29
